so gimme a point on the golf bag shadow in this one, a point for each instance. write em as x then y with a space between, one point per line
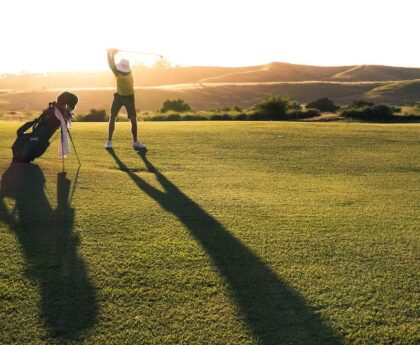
29 146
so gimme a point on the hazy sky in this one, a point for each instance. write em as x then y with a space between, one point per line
53 35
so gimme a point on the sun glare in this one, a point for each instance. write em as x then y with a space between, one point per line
224 33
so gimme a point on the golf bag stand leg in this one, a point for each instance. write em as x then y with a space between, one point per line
74 148
62 149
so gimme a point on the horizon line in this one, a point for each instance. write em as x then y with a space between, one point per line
75 71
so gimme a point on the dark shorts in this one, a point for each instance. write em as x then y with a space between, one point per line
127 102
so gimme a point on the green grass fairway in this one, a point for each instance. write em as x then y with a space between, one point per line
225 233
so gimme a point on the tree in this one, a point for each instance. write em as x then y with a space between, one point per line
361 104
324 105
95 115
175 105
273 107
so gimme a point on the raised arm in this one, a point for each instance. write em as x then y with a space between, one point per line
111 59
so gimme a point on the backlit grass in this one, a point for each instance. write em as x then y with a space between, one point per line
224 233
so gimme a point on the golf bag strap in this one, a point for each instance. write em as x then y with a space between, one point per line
22 129
43 115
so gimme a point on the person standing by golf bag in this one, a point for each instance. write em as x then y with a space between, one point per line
123 97
29 146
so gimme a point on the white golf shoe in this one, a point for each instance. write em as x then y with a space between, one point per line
139 146
108 145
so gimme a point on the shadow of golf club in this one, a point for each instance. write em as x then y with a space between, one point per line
273 310
67 299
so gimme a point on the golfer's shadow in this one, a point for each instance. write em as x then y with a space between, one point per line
274 312
50 249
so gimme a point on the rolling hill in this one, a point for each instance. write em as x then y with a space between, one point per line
401 92
207 88
199 96
272 72
214 96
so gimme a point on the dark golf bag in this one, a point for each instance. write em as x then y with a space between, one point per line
29 146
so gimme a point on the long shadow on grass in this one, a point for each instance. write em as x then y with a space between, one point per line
67 298
275 313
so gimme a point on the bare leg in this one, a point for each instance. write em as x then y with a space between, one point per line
133 120
111 127
115 108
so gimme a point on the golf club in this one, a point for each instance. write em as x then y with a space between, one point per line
62 149
74 185
74 148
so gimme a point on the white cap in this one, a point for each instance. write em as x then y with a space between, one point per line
123 66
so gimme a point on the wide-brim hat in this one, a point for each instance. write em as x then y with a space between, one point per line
123 66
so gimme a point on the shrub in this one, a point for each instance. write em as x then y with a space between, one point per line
380 112
272 107
302 114
257 117
173 117
311 113
308 113
357 104
194 118
156 118
176 105
217 117
324 105
241 117
294 105
94 116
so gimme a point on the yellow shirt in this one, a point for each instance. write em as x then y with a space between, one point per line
124 80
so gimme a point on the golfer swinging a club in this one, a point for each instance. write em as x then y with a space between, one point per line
123 97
